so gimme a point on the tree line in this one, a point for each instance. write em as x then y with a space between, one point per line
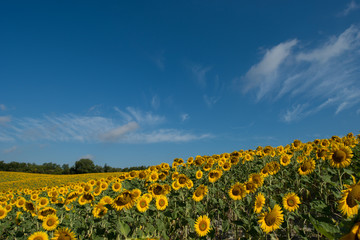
83 165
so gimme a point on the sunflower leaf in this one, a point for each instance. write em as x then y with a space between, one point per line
322 227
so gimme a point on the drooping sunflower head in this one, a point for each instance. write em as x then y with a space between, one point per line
64 233
202 225
270 221
50 222
250 186
291 202
29 207
124 200
340 156
99 210
257 178
43 213
106 200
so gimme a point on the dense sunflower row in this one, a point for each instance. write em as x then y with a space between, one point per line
303 190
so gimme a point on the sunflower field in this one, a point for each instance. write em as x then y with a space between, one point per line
298 191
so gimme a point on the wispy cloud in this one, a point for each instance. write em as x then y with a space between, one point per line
2 107
316 78
199 73
184 117
4 119
265 74
94 129
210 101
155 102
117 133
141 117
95 109
9 150
352 6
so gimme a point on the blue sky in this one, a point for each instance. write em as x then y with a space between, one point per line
143 82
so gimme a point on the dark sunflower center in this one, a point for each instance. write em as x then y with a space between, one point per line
161 202
50 222
306 166
182 180
339 156
350 200
270 219
236 191
143 204
38 238
2 212
356 192
296 143
258 203
158 190
322 153
203 226
199 192
291 202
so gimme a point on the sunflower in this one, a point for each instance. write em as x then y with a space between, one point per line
237 191
347 204
307 166
199 174
322 153
354 234
259 202
200 192
8 207
50 222
20 202
43 213
202 225
265 171
39 236
124 200
136 193
97 191
214 175
189 183
250 186
154 176
182 179
285 159
99 210
340 156
64 233
3 213
142 204
104 186
43 202
29 207
270 221
106 200
226 166
161 202
291 202
296 145
175 185
257 178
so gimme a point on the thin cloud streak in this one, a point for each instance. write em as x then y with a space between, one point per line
352 6
321 77
10 150
2 107
4 119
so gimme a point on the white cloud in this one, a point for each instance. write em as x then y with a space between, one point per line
4 119
184 117
315 77
10 150
264 75
95 109
349 8
119 132
199 73
95 129
155 102
210 101
2 107
165 135
145 117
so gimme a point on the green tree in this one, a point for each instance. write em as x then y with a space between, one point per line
84 165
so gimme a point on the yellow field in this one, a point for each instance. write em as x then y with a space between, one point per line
298 191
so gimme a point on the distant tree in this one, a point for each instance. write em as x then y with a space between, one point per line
84 165
107 168
65 169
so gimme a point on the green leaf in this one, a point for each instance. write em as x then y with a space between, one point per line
322 227
123 228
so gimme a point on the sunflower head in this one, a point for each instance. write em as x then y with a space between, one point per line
291 202
64 233
50 222
202 226
237 191
143 204
161 202
348 205
39 236
340 156
259 202
200 192
307 166
271 220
